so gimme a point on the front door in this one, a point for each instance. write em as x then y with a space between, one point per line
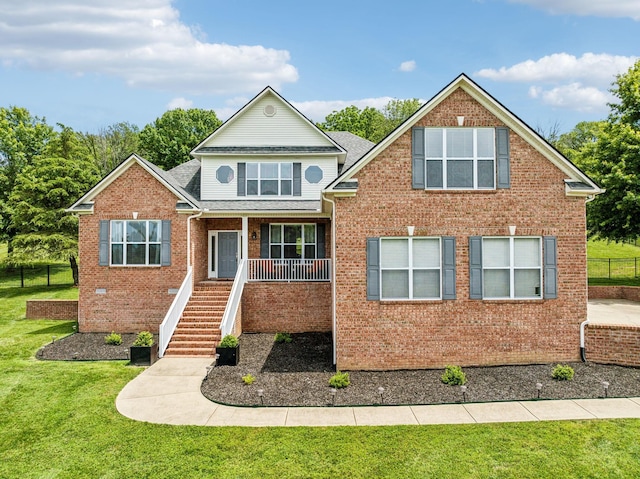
227 254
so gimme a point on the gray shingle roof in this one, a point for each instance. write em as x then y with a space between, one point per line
578 185
188 176
355 146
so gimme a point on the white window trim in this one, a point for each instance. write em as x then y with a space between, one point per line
410 267
282 243
259 178
512 268
124 244
475 159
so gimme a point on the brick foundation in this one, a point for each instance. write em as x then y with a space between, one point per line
286 307
66 309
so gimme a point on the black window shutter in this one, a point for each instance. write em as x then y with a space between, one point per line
503 160
264 240
242 179
320 243
103 252
297 179
417 158
550 254
165 255
449 267
373 269
475 267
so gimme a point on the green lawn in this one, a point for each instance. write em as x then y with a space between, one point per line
58 420
606 249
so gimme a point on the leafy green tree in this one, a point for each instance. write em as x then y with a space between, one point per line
42 191
22 138
111 145
169 139
370 123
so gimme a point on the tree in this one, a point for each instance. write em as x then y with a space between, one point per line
22 138
169 139
111 145
370 123
42 191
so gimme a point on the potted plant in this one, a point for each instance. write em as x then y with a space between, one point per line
228 352
143 352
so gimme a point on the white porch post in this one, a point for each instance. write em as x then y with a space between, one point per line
245 237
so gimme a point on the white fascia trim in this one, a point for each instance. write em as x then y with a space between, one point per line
265 214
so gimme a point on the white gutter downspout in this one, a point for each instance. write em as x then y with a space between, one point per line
333 275
583 355
189 237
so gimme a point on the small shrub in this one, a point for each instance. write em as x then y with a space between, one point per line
114 339
454 376
144 338
563 373
248 379
283 338
229 341
339 380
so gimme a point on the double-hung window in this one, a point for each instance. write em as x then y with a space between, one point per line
410 268
460 158
269 179
136 242
292 241
512 267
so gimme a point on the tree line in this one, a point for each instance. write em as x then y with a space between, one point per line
44 169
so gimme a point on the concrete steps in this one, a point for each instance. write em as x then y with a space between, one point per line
198 331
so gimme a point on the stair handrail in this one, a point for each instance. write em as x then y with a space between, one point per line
170 321
231 310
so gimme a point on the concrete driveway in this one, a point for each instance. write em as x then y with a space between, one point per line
614 311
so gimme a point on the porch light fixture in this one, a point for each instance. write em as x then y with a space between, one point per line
605 385
463 390
334 391
261 396
254 235
539 389
381 392
512 230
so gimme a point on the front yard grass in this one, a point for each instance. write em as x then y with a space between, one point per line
59 420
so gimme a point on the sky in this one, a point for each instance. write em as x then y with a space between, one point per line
89 64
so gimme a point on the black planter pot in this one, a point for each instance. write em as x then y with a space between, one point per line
228 356
143 355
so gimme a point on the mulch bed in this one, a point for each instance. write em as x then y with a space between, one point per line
297 374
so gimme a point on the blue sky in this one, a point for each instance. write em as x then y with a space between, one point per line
92 63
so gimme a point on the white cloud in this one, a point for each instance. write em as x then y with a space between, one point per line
142 42
580 84
597 8
179 103
318 110
408 66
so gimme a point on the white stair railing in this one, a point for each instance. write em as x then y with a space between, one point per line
289 270
170 322
231 310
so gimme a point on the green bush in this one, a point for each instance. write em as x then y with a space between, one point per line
453 376
283 338
114 338
229 341
144 338
563 373
248 379
339 380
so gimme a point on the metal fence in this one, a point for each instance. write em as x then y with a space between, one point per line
613 268
43 275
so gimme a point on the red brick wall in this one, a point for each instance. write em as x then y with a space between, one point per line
631 293
612 344
286 307
431 334
66 309
136 298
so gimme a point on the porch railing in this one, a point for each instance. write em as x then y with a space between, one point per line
289 270
168 325
231 310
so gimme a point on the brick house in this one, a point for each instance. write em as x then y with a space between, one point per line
459 238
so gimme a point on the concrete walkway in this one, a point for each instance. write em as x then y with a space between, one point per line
169 393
